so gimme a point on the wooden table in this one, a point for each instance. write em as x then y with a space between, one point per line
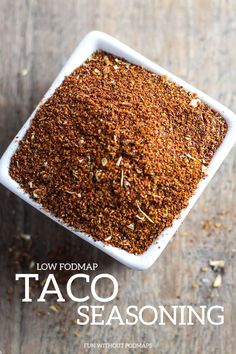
194 39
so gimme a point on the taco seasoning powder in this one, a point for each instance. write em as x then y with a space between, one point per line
117 151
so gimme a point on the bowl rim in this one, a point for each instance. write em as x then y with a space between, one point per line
97 40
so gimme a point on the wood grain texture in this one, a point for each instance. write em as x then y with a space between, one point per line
195 39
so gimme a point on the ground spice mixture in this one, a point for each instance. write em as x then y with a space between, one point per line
117 151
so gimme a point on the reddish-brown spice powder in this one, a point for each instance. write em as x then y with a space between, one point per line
117 151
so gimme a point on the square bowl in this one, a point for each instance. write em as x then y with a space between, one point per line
92 42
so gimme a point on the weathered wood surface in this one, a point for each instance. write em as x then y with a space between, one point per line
194 39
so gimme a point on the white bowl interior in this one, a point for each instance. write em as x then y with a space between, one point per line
101 41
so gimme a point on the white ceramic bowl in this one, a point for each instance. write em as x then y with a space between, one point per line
92 42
